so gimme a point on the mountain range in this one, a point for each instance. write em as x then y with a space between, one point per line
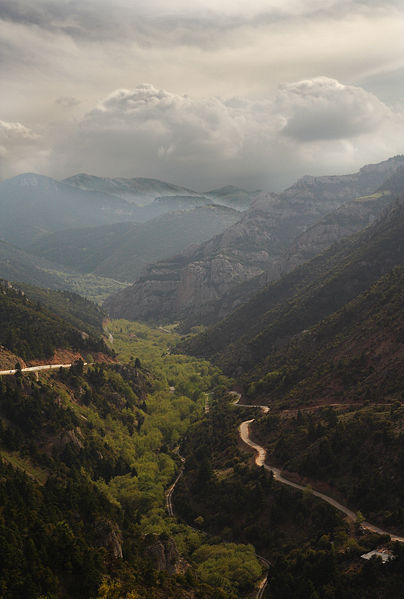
259 246
85 233
306 296
121 251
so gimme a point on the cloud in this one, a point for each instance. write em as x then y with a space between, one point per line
16 146
312 123
231 112
83 48
323 108
15 133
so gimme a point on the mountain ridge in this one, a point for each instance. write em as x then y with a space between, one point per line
184 286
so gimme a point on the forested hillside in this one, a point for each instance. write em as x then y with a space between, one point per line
74 308
86 456
313 551
33 331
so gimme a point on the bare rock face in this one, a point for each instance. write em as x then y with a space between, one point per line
277 233
110 537
163 553
347 220
200 274
73 437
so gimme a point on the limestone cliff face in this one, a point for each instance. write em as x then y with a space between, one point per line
162 552
110 537
347 220
274 235
203 273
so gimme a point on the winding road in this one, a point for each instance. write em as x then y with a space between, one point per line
260 458
170 490
261 454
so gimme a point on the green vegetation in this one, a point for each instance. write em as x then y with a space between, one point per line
74 308
228 565
313 552
98 445
31 331
24 464
359 451
340 360
327 574
93 287
22 267
238 502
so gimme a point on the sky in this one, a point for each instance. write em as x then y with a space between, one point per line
255 93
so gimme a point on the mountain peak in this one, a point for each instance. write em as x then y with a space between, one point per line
32 180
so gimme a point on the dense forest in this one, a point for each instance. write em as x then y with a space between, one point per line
313 552
86 456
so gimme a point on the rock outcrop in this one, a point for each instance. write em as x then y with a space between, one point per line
110 536
163 553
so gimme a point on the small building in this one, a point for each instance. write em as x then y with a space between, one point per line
384 554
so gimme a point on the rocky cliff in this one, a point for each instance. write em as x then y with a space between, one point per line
272 236
162 552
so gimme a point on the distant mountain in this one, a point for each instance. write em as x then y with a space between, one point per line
232 196
18 265
304 297
139 190
187 285
157 197
31 205
123 250
168 204
349 218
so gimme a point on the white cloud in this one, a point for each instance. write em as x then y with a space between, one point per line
323 108
308 126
